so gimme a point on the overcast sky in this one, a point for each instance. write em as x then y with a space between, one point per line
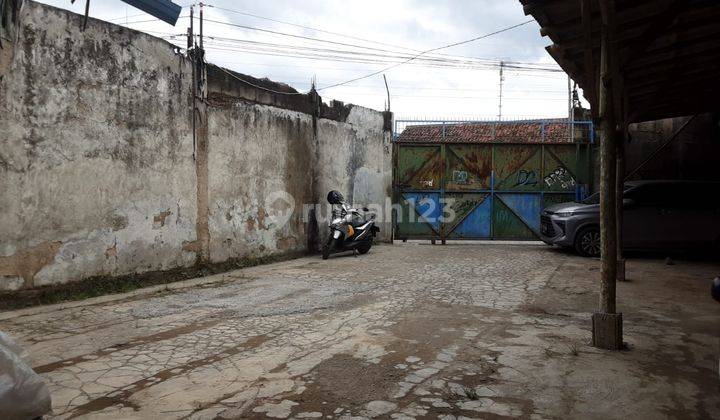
463 83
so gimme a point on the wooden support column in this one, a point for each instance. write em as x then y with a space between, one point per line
607 324
619 207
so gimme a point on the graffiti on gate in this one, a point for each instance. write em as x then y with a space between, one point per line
524 177
464 206
460 177
560 176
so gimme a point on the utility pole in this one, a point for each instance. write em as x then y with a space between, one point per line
201 246
190 46
201 26
570 98
387 89
571 120
502 79
575 104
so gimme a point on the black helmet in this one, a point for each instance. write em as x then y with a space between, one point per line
334 197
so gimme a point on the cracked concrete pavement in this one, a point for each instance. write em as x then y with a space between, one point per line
406 331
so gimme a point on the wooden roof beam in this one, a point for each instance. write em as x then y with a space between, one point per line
688 21
669 74
575 23
711 48
686 62
689 33
674 93
685 41
653 111
590 74
658 25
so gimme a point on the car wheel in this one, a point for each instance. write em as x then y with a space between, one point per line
587 242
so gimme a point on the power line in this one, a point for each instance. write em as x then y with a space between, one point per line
356 70
339 57
395 65
307 38
523 65
472 63
381 88
510 98
389 67
431 50
307 27
354 59
335 58
365 47
265 53
338 34
230 43
468 60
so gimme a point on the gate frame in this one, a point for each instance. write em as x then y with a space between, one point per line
581 190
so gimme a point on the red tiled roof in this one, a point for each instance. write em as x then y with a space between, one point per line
492 132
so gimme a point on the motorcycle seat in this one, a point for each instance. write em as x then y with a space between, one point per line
358 223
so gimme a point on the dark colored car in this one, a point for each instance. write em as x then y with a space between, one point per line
657 215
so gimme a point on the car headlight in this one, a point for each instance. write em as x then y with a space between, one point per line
565 214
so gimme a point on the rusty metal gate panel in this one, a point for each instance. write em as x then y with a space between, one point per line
418 180
484 190
468 178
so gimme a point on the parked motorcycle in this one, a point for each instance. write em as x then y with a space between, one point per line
350 230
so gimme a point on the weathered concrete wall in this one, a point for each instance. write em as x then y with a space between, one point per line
261 162
355 158
270 152
96 169
268 165
99 174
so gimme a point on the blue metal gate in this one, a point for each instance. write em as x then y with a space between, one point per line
487 188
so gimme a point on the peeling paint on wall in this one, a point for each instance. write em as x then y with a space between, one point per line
159 219
97 148
99 158
27 262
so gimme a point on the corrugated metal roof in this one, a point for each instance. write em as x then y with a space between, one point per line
668 51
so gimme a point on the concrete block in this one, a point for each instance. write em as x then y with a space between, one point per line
607 331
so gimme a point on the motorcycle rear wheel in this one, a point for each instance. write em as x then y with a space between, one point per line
365 248
328 247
